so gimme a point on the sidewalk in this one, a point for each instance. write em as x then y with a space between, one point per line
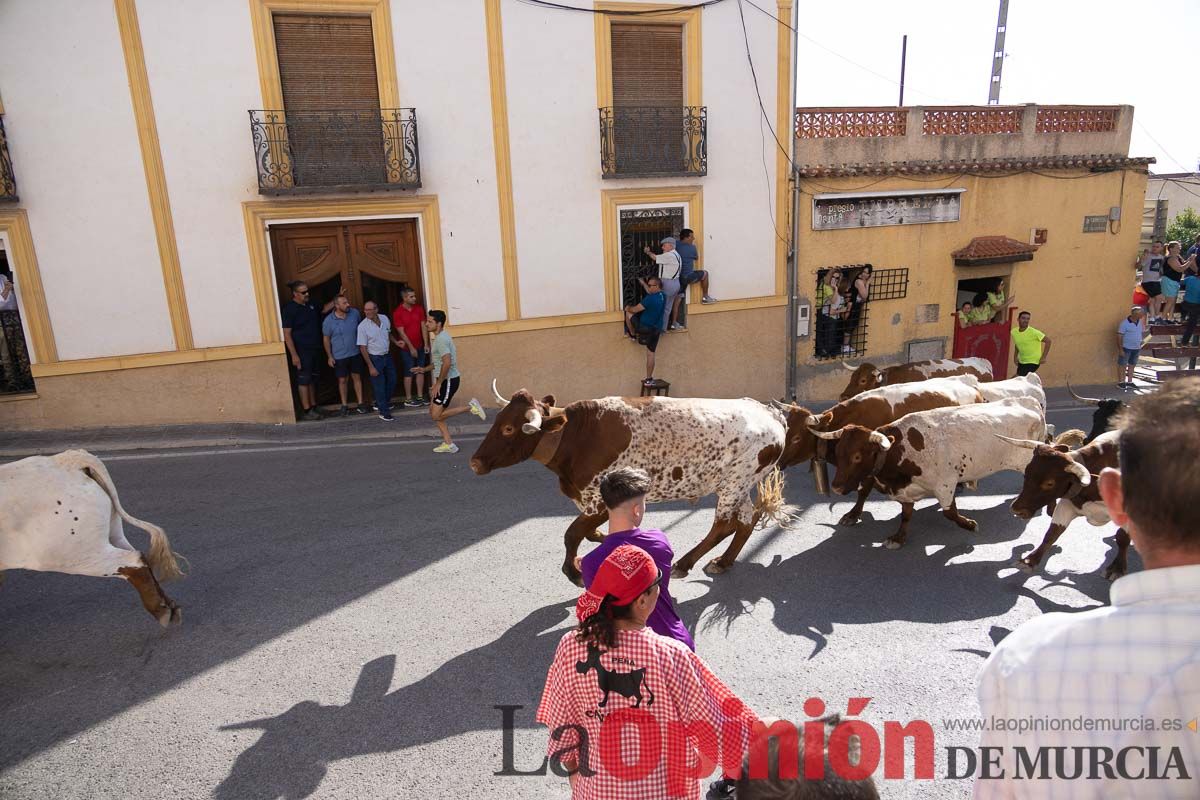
409 424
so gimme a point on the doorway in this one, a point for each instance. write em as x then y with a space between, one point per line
990 339
371 260
640 228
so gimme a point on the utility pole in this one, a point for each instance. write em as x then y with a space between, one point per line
903 58
998 55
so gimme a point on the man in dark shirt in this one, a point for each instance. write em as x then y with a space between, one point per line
643 321
302 335
689 254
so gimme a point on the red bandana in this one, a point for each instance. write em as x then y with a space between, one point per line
625 574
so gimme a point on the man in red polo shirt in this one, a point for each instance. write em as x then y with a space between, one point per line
409 321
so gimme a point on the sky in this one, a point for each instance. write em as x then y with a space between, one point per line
1102 52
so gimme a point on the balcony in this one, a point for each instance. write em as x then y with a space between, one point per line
335 150
8 181
653 141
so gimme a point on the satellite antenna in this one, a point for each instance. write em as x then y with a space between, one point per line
998 55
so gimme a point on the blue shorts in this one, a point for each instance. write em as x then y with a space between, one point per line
1128 358
408 360
1170 288
694 276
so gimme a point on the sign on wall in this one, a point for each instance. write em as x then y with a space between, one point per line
834 211
1096 224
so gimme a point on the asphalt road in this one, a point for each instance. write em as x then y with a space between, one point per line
354 613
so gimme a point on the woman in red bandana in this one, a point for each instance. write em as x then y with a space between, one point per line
632 714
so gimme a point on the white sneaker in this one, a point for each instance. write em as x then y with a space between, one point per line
708 299
476 409
446 448
675 326
847 348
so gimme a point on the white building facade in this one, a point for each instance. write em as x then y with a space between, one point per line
507 159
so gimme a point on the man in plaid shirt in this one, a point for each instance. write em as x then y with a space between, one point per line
1096 679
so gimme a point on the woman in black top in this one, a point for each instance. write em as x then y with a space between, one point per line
1173 269
859 294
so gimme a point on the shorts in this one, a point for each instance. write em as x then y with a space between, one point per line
1154 288
408 360
694 276
342 367
309 364
447 392
1025 369
1170 287
648 335
1128 358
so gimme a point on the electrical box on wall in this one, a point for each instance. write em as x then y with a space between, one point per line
803 318
1114 214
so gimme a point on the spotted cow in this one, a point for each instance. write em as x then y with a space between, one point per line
1057 472
876 407
868 376
61 514
929 453
690 448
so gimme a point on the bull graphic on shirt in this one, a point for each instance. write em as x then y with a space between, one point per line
627 684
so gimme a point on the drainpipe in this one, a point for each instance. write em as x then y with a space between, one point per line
794 248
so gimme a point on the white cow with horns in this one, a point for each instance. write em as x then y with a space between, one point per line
61 513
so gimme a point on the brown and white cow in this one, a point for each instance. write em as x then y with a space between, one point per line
690 448
929 453
1057 473
61 514
868 376
876 407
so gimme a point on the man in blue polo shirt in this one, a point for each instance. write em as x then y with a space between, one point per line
689 255
643 321
1132 335
340 332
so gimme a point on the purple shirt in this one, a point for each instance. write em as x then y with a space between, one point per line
663 620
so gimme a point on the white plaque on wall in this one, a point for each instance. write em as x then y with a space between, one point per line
861 210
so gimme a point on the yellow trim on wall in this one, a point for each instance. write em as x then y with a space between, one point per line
258 214
690 20
22 259
381 32
741 304
785 73
611 199
156 179
504 186
113 363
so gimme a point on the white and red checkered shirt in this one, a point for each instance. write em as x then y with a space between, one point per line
660 696
1130 672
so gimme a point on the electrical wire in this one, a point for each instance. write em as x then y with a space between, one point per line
1157 142
649 12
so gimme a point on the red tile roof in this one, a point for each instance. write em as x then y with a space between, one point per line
994 249
990 165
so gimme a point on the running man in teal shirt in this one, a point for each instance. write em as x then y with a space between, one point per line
443 363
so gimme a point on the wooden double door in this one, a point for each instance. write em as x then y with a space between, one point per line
369 260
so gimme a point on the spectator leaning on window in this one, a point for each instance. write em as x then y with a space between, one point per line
669 266
1131 335
1031 346
340 332
689 255
642 322
1136 659
302 336
860 293
831 308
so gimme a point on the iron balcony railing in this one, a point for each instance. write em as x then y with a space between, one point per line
653 141
335 150
8 181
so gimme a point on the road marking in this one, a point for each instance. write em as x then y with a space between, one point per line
237 449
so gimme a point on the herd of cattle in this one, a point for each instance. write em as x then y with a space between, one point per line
913 431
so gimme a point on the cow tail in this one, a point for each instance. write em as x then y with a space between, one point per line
770 502
161 559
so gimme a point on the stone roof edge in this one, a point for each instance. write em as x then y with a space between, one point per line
1015 164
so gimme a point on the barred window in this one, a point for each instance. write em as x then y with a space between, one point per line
842 321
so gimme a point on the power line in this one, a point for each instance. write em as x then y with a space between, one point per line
649 12
1157 142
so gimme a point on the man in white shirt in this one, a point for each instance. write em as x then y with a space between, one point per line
375 343
669 266
1117 688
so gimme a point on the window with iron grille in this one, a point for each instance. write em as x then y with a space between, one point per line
842 321
641 228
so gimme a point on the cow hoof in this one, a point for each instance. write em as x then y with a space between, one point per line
715 567
168 616
892 544
848 519
679 572
1026 567
969 524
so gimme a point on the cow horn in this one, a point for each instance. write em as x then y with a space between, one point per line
782 406
830 435
534 424
1080 472
1093 400
1028 444
499 397
878 438
847 366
